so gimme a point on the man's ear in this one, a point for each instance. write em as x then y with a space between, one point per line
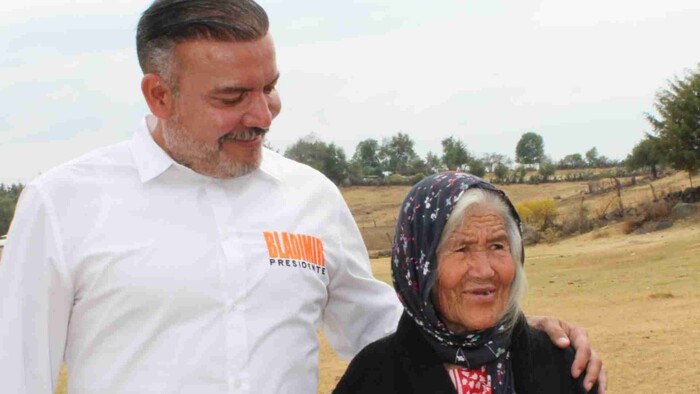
158 95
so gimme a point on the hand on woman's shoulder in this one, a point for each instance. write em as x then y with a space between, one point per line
542 366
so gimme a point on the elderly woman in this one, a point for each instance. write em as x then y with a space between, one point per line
457 266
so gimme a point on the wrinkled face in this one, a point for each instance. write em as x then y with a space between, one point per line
225 102
475 272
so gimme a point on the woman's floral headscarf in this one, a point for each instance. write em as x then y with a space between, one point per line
423 216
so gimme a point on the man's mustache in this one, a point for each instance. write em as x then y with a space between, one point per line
257 131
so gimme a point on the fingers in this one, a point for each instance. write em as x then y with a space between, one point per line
582 346
602 381
595 372
564 335
556 329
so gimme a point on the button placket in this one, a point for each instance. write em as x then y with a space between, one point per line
233 287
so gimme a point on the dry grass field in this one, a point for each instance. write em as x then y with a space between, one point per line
636 294
376 208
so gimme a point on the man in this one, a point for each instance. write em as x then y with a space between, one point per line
189 259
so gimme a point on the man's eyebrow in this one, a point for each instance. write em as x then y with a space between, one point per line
238 89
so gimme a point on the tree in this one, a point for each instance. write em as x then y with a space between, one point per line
530 149
329 159
645 154
592 157
519 174
547 169
501 171
574 160
605 162
678 122
396 153
335 165
454 153
8 201
308 150
355 173
477 168
492 159
367 156
433 163
418 166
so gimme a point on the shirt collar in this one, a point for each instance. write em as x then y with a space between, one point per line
270 164
151 160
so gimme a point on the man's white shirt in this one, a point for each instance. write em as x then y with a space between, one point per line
147 277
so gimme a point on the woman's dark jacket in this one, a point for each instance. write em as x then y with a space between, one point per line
404 363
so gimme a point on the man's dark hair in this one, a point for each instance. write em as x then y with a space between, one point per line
168 22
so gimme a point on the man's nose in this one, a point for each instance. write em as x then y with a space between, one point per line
258 113
480 266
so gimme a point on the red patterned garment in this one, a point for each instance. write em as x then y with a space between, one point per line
471 381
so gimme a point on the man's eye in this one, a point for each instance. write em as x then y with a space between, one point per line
231 100
268 89
497 246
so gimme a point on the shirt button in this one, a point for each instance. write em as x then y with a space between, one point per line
237 384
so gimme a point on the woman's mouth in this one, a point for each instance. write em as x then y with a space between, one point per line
483 294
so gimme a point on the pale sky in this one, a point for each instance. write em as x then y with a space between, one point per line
579 73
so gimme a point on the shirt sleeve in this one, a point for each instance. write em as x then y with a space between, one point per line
35 299
360 308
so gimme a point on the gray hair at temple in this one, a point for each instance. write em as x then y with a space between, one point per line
471 199
169 22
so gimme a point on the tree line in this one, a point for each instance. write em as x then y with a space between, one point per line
375 162
674 141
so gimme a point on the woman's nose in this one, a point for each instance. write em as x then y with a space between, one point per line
480 265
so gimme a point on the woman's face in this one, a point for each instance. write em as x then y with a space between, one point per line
475 271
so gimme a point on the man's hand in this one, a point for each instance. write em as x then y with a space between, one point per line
564 335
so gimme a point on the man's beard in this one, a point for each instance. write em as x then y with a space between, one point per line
203 158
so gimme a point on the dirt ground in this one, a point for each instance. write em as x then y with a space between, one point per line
637 295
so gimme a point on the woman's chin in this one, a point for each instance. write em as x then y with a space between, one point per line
473 323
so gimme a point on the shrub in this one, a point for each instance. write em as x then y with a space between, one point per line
578 222
396 179
539 213
628 227
526 215
535 179
551 235
655 210
652 214
417 178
